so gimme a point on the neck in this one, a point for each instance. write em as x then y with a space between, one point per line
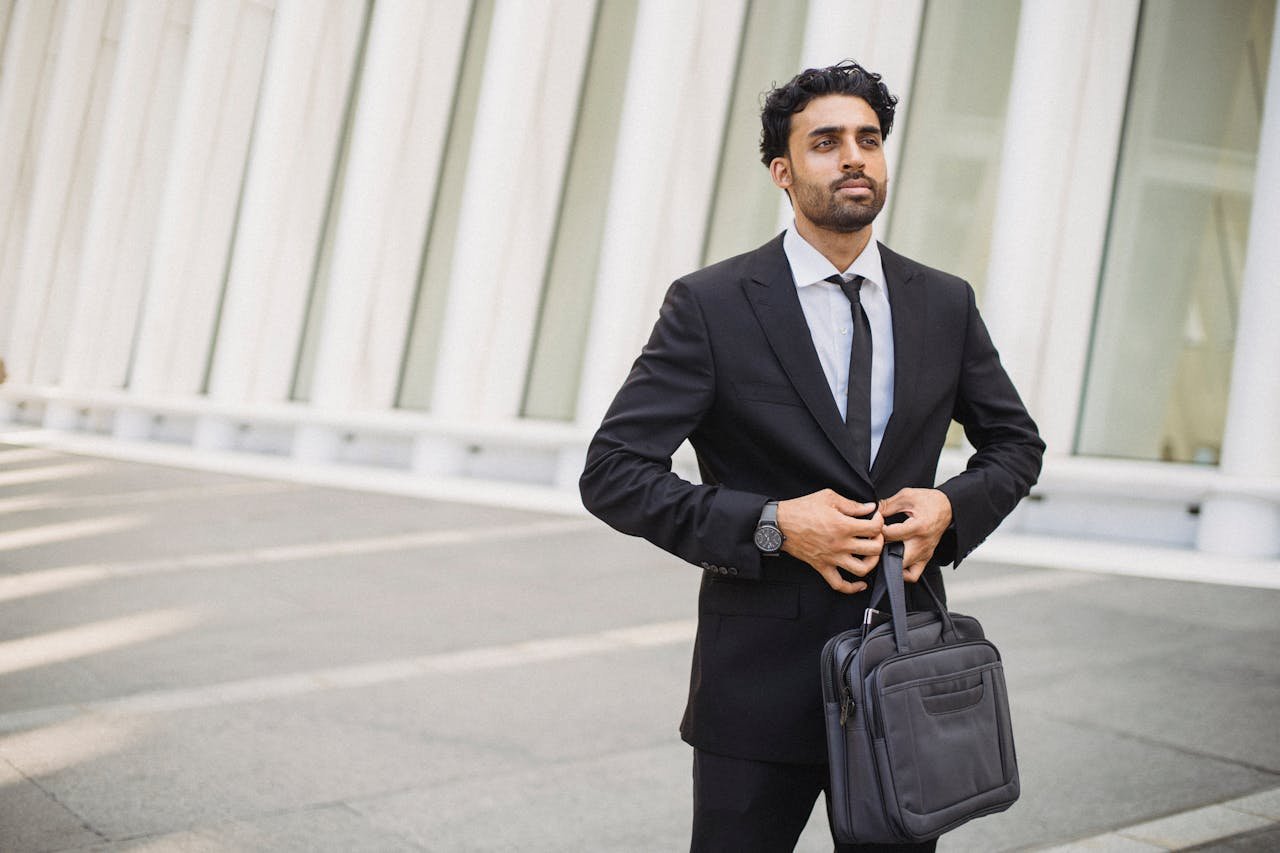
838 247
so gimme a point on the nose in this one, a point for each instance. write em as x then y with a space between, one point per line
851 159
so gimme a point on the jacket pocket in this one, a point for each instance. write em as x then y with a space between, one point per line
767 392
735 597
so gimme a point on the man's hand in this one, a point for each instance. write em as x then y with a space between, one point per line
824 530
929 516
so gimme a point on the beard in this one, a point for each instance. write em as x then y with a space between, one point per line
826 208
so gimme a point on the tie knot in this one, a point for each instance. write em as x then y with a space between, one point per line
851 287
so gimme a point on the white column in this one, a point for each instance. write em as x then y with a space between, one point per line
1065 113
219 95
1033 178
124 203
295 145
1238 523
524 128
1050 47
6 15
1067 312
406 90
63 168
673 110
24 73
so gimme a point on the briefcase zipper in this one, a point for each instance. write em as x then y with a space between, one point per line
828 658
846 705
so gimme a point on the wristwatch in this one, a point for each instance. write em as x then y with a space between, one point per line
768 536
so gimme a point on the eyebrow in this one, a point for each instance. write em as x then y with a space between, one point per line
839 128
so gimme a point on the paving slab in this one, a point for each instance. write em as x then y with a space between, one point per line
626 801
1108 843
1195 827
1203 710
213 764
1264 804
1078 781
31 819
1260 841
322 828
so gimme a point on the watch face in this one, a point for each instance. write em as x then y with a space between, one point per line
768 538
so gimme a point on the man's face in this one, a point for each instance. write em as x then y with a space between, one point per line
834 169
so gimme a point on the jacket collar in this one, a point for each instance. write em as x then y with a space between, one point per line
909 308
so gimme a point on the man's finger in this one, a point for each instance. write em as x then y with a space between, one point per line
853 564
864 563
864 546
895 503
859 547
854 508
903 530
916 552
866 527
839 584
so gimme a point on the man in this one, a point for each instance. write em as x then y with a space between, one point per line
816 417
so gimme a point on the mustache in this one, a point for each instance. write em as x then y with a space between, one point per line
858 179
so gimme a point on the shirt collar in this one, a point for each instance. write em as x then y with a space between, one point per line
808 266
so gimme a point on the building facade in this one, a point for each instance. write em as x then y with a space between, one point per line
419 242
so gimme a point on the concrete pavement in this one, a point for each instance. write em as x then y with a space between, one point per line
193 661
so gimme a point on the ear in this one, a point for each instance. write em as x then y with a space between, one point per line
780 171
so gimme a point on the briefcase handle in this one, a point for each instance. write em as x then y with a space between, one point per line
888 581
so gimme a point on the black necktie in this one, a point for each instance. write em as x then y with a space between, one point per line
858 410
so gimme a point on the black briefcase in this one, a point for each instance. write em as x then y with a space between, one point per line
917 716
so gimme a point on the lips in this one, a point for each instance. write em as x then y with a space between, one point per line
854 184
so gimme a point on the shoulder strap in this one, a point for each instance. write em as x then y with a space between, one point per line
888 580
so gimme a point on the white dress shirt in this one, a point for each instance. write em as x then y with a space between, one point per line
830 319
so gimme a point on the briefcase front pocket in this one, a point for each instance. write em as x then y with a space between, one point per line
947 743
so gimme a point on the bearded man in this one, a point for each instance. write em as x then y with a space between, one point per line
816 378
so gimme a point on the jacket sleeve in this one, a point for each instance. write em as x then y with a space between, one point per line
628 482
1008 448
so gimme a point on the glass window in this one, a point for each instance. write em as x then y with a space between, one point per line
1164 329
944 188
555 366
744 210
944 198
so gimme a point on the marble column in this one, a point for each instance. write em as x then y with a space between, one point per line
1244 518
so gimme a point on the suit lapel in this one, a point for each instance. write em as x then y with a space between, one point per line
909 310
772 294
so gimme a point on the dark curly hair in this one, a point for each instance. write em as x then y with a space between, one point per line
843 78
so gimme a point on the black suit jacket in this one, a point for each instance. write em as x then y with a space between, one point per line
732 367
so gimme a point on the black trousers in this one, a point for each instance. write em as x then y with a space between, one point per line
742 806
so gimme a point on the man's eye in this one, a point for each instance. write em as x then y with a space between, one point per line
871 142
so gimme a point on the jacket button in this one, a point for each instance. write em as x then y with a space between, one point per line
733 570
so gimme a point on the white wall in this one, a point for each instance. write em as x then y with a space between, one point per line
182 181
